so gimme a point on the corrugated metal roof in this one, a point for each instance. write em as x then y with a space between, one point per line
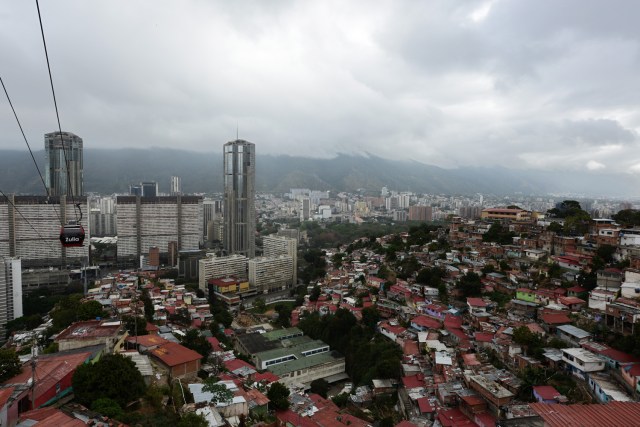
619 414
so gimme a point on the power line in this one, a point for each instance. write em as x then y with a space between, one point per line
46 189
27 221
55 104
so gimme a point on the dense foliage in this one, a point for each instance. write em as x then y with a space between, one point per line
368 354
10 365
113 376
196 342
499 234
628 217
278 395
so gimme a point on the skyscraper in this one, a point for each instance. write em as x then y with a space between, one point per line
63 151
239 198
10 292
176 186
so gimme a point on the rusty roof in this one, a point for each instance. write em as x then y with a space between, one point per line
173 354
619 414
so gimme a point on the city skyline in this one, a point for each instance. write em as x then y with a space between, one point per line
524 85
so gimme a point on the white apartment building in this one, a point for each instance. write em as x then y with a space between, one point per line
10 292
270 274
213 267
274 245
30 229
145 222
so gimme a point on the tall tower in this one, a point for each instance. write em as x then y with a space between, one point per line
62 151
239 198
176 186
10 292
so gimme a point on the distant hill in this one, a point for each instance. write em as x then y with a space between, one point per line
111 171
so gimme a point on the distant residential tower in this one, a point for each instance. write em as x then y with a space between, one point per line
239 198
63 150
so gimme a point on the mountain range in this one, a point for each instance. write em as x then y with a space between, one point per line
108 171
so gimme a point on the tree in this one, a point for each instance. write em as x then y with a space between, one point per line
113 376
605 252
628 217
191 419
556 227
278 394
90 310
284 315
10 365
315 293
196 342
320 386
108 407
149 309
260 305
135 324
470 285
370 317
221 394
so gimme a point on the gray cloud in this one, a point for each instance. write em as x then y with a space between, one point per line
520 84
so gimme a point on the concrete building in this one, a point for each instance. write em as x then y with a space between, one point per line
212 219
149 189
276 245
144 222
213 267
305 210
30 229
301 360
512 214
10 292
581 362
271 274
420 213
92 332
175 186
239 198
63 153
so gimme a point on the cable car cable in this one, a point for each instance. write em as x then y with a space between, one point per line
55 104
28 146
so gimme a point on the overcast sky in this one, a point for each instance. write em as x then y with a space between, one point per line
526 84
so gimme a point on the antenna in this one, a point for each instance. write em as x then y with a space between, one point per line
237 131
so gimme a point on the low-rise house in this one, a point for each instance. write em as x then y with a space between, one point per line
92 332
424 323
177 360
581 362
606 390
547 394
572 335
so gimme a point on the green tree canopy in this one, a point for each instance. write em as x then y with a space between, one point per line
278 394
196 342
113 376
320 386
90 310
10 365
628 217
108 407
470 285
191 419
135 324
221 394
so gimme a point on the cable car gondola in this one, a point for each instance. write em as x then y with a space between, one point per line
72 235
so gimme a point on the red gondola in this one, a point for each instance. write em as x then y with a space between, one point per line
72 235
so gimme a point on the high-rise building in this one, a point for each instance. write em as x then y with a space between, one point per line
212 213
149 189
271 274
420 213
63 152
274 245
213 267
30 229
305 212
144 222
176 186
10 292
239 198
